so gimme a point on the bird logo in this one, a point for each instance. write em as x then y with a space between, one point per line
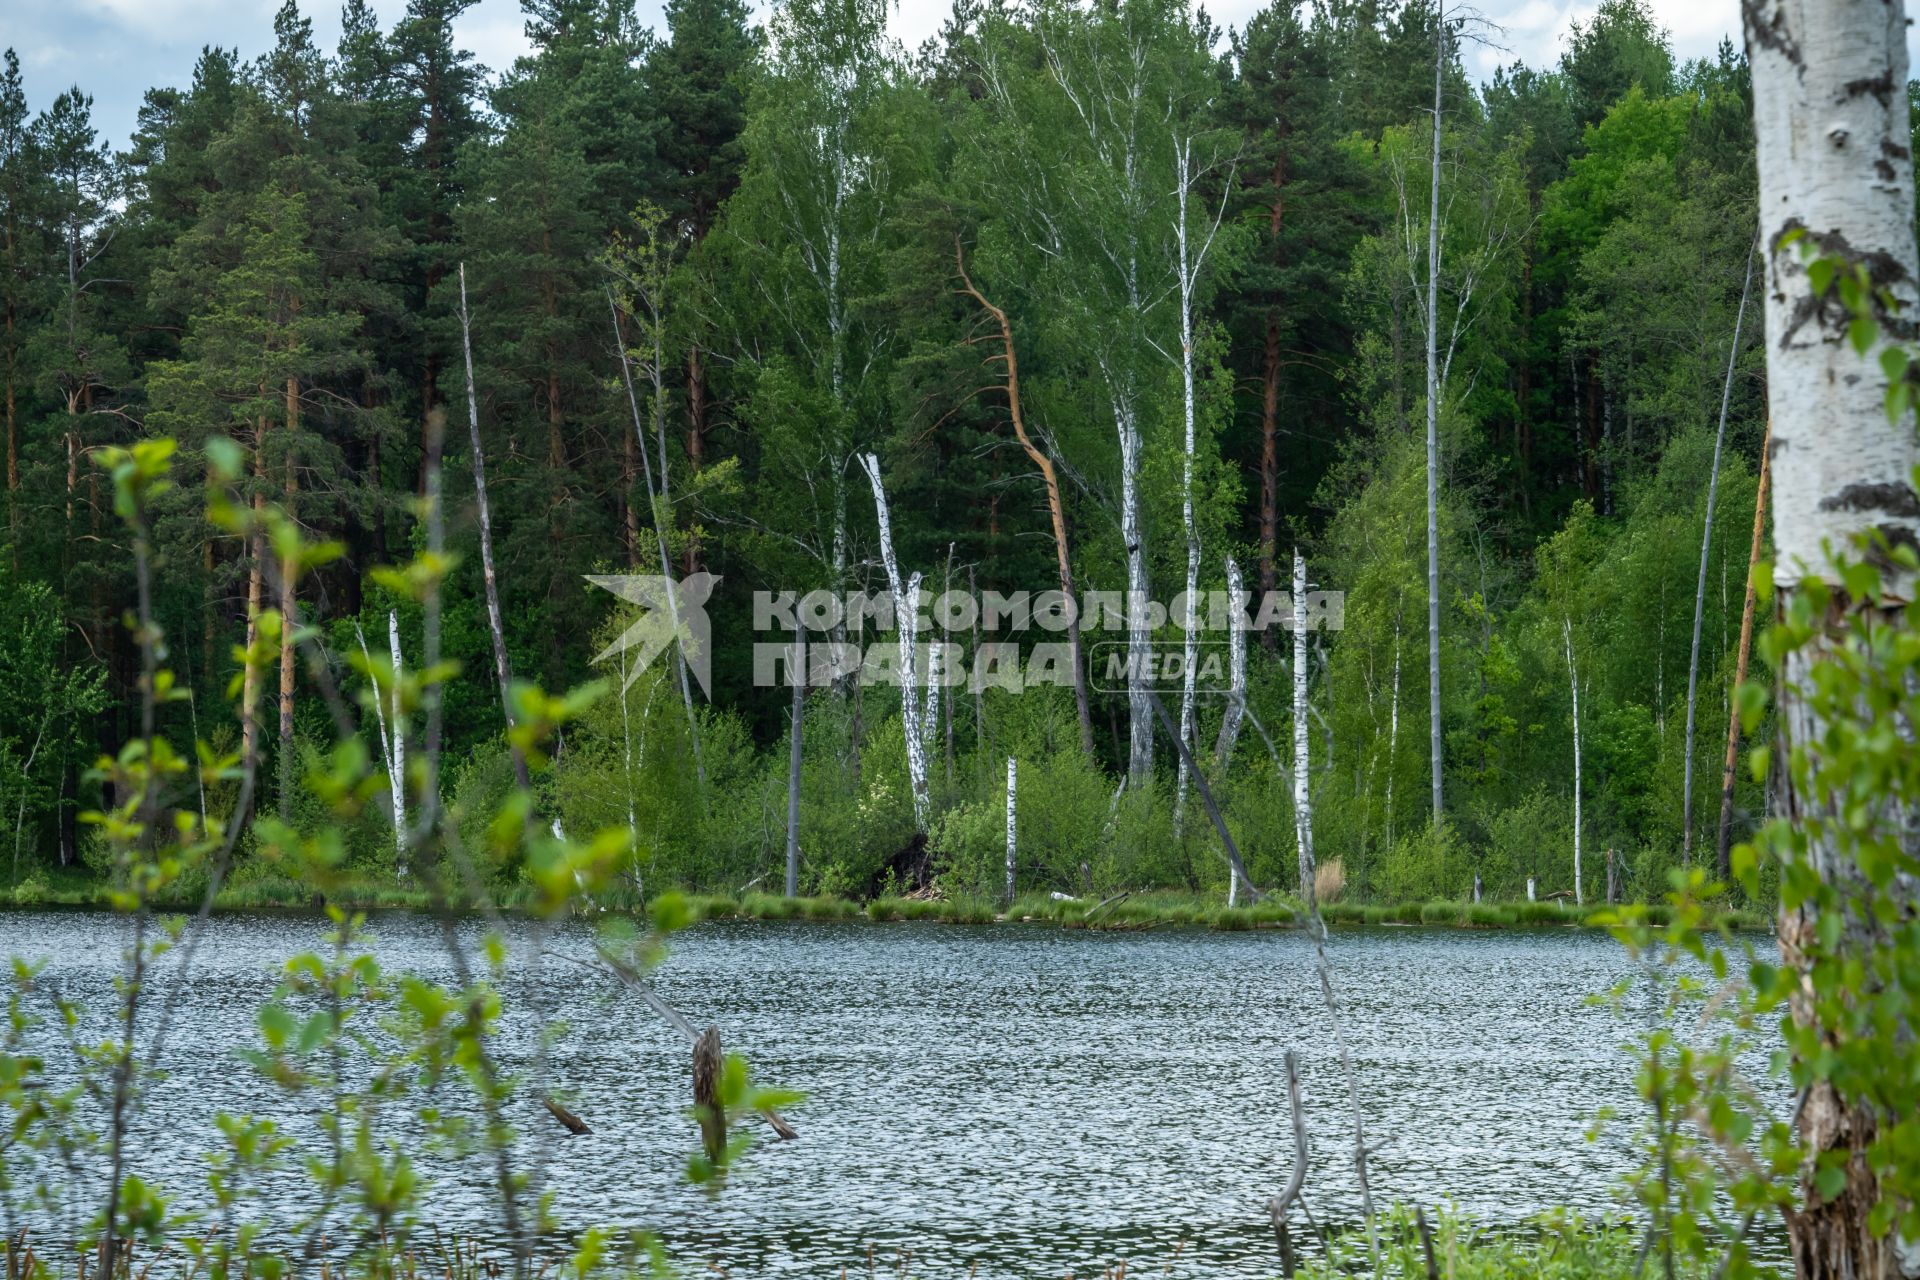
670 611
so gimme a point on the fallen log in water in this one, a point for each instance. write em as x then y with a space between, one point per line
572 1123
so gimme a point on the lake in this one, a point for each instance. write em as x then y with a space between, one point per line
1037 1101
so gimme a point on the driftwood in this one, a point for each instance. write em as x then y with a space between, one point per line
572 1123
1278 1207
708 1062
1426 1242
672 1016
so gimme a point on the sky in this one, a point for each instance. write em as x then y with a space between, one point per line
116 49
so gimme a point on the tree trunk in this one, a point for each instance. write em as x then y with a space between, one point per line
1013 808
1573 683
696 434
1433 430
904 595
1302 735
398 784
1700 587
1270 467
1133 536
1723 849
256 601
288 604
1056 508
798 674
1236 707
502 667
1832 142
1189 624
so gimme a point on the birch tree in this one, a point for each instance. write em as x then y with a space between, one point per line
905 592
826 151
1078 163
1836 203
496 629
1461 215
1193 245
1573 687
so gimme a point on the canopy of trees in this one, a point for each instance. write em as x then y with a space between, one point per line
1211 254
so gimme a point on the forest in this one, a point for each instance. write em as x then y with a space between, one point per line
1088 298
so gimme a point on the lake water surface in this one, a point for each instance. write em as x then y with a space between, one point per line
1038 1101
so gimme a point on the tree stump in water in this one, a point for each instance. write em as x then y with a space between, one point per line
708 1062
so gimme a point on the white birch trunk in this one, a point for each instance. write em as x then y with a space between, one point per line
1832 142
1139 708
397 762
1190 642
798 674
502 668
1012 824
1393 730
626 743
1433 426
390 742
1302 735
1236 670
1573 683
904 595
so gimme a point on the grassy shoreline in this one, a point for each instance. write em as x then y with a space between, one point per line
1127 912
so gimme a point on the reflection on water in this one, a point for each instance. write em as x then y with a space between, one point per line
1039 1101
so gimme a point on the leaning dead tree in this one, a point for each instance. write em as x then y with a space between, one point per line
1700 586
1723 852
1050 477
1832 140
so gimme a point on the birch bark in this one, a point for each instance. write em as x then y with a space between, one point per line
1573 683
1012 820
1433 427
905 593
1833 142
502 665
